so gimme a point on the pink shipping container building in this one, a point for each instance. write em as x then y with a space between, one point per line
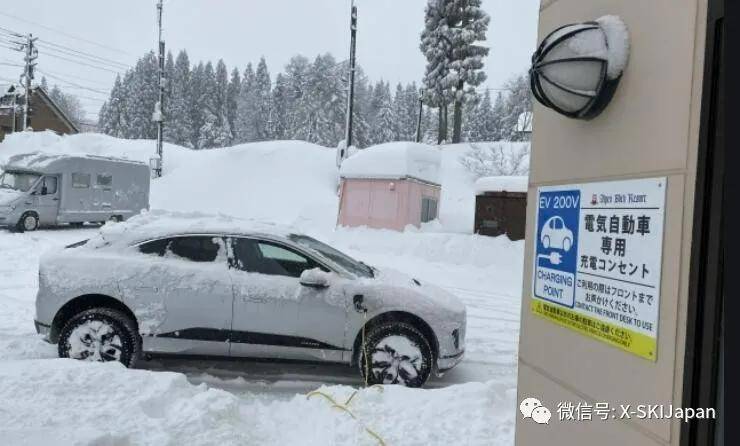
390 186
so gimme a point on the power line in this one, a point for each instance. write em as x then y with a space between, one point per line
88 82
81 54
63 33
61 79
82 63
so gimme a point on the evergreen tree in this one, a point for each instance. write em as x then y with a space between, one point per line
436 47
246 119
468 24
280 107
196 105
232 98
263 91
296 82
384 122
178 124
224 134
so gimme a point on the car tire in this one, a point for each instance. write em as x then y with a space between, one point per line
400 355
102 335
28 222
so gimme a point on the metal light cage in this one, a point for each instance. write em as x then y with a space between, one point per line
594 99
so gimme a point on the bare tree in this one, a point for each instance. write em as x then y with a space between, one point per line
496 160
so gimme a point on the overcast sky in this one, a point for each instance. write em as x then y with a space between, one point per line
240 31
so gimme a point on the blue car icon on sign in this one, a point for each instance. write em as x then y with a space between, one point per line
555 235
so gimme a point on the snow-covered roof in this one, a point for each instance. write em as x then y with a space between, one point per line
395 160
501 184
48 162
160 223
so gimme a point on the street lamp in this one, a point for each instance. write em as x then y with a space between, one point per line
576 69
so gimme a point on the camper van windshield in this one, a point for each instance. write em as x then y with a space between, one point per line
20 181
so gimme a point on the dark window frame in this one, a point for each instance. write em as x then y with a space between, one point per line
78 185
312 262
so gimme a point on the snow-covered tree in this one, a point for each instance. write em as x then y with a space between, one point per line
178 124
246 115
518 101
383 124
484 160
452 31
232 99
263 91
69 103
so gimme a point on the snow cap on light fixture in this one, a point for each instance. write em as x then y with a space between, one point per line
577 67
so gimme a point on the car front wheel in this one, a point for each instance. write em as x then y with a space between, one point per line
101 335
399 354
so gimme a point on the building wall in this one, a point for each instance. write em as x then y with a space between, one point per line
382 204
650 129
43 118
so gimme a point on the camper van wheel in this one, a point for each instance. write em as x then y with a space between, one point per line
28 222
77 224
115 218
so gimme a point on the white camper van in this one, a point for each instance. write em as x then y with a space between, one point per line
41 189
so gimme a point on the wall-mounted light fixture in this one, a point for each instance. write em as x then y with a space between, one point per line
577 67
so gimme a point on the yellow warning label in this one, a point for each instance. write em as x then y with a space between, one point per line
629 340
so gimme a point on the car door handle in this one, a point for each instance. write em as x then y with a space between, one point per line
55 199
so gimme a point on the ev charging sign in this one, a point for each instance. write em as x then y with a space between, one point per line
557 245
597 260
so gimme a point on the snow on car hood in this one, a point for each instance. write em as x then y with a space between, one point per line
427 291
8 196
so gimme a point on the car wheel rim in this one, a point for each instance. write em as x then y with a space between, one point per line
29 223
95 341
396 360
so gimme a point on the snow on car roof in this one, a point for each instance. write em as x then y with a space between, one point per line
396 160
44 161
159 223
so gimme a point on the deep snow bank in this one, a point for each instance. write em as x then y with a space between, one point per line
289 182
66 402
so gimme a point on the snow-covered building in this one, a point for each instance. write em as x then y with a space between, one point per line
390 186
501 206
45 113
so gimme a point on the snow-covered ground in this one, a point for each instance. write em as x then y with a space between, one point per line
51 401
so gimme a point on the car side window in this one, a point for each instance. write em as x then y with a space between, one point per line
194 248
49 186
270 258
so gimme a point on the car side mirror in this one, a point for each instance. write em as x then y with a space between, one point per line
44 191
315 278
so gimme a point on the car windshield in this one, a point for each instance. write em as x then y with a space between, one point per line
341 259
20 181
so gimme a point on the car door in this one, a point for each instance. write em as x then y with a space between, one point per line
268 298
180 291
46 199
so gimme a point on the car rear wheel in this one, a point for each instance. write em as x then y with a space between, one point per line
100 335
399 354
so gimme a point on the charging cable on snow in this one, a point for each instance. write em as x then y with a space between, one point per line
345 407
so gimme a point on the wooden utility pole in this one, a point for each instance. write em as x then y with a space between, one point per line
30 58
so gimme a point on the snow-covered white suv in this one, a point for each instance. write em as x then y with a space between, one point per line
164 283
